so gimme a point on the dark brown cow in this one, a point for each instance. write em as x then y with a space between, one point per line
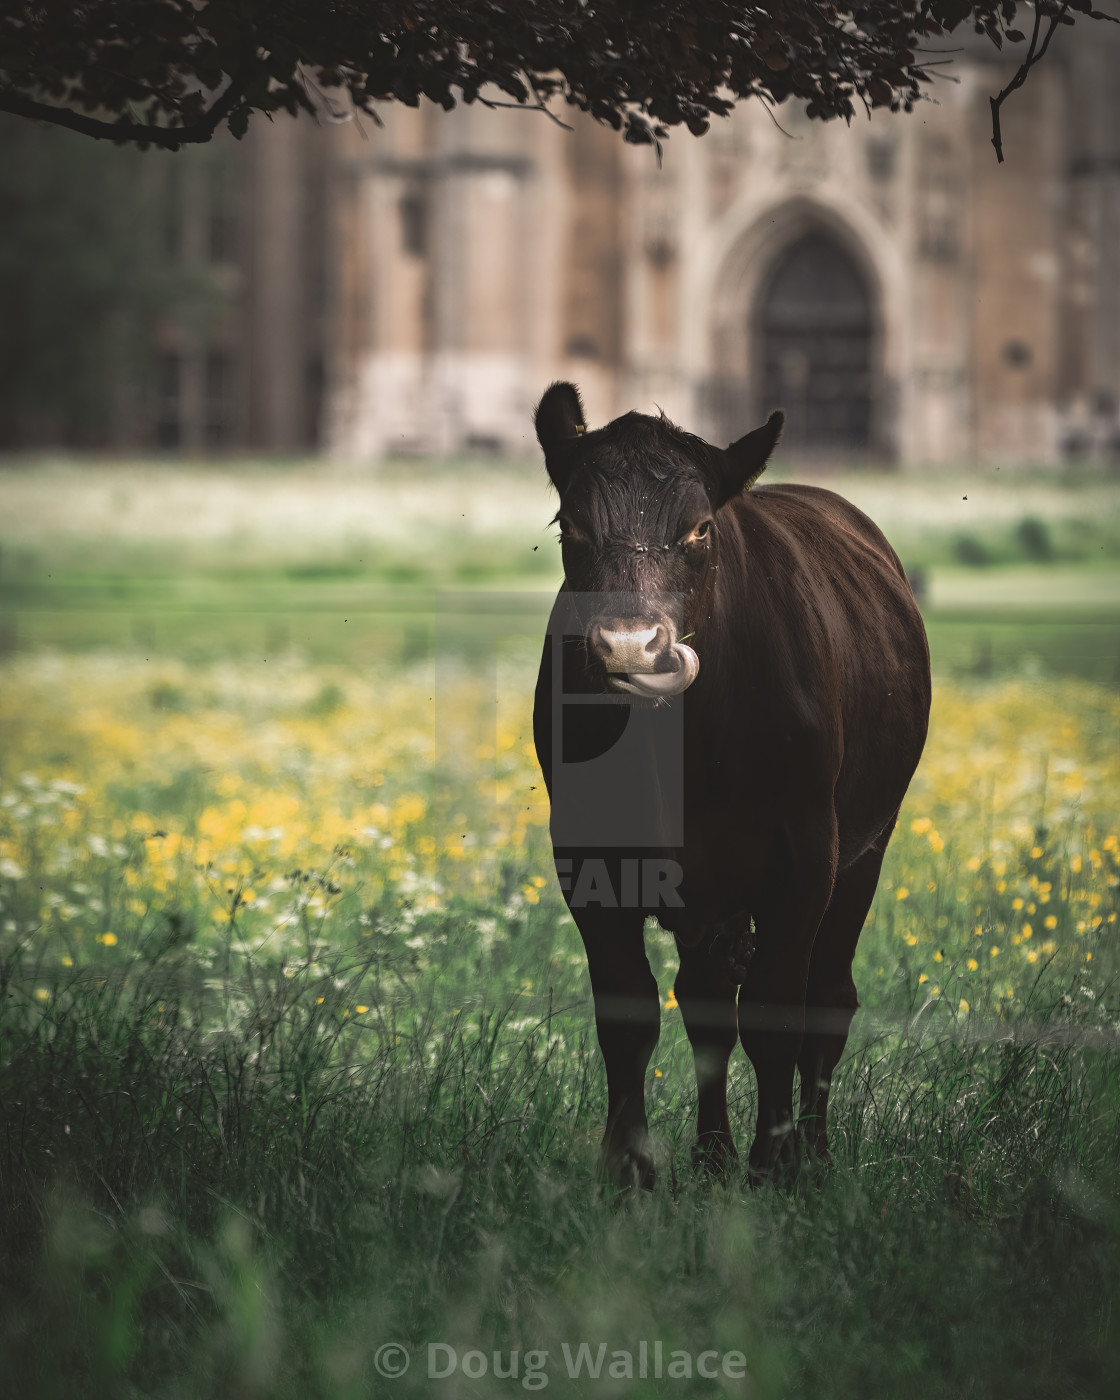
732 699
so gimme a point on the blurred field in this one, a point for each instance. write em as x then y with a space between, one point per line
343 563
246 515
296 1047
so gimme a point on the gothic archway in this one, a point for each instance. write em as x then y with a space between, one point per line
814 338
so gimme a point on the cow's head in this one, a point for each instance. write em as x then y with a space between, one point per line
639 529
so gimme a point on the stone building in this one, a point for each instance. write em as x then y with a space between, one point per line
899 293
413 288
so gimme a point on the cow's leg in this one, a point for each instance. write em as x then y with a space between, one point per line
706 995
772 1002
830 998
628 1021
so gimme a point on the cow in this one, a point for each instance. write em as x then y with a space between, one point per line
732 699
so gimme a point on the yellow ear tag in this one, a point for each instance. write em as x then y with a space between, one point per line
580 428
753 480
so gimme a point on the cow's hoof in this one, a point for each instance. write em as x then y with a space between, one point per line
775 1158
629 1165
714 1154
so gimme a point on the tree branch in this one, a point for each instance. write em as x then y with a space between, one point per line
170 138
538 106
1034 54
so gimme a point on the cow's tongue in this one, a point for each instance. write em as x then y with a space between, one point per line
658 683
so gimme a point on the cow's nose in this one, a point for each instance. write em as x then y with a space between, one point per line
628 648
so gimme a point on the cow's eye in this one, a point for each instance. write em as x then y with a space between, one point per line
698 533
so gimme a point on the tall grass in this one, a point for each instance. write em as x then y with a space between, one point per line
213 1188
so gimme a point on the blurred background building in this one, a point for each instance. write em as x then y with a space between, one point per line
413 288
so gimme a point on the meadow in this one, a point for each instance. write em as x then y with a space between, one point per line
297 1060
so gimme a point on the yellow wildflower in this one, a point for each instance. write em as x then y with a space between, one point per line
409 809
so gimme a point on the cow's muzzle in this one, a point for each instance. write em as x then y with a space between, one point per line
641 657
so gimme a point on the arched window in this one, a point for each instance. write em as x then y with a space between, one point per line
814 329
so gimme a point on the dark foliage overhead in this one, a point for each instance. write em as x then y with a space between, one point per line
167 72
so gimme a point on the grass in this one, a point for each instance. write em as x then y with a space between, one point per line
350 564
449 1197
454 522
292 1070
296 1054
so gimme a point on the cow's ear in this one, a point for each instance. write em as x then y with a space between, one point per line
559 422
746 459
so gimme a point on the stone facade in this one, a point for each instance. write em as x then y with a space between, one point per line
902 295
